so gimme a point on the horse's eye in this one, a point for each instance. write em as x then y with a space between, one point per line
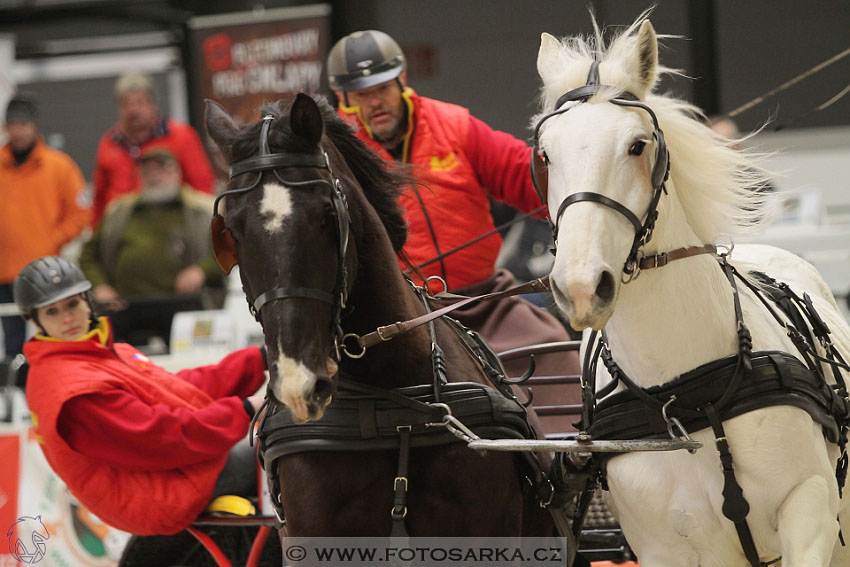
636 149
545 157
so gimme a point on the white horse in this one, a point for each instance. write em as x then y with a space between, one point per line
675 318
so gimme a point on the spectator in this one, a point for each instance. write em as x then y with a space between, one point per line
43 204
140 126
150 245
143 449
461 162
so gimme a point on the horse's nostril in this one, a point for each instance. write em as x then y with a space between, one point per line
605 287
322 390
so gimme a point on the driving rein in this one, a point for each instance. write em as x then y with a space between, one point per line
224 243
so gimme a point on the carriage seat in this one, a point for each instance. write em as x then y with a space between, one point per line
231 505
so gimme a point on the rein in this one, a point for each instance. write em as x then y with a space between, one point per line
388 332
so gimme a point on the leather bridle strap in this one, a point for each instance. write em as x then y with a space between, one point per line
602 200
286 292
664 258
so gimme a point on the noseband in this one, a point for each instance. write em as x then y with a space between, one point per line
660 169
224 243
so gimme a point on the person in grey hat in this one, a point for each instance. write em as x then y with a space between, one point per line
43 204
141 125
142 448
461 162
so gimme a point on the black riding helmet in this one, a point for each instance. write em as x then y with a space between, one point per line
364 59
45 281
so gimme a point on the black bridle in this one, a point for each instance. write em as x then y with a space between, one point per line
268 161
660 169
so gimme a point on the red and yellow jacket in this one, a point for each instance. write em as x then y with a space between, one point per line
42 207
459 160
115 171
139 489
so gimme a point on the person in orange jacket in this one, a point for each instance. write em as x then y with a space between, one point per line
459 163
143 449
43 204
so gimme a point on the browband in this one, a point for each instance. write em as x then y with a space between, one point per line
275 161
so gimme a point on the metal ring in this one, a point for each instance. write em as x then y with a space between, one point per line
439 279
359 340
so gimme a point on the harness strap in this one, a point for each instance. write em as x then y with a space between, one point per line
602 200
387 332
735 505
291 292
399 510
662 259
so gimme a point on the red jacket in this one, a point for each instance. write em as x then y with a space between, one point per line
459 161
115 169
145 494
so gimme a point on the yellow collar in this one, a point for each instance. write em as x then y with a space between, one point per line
100 332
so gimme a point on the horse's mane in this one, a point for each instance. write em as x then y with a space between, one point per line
714 182
381 182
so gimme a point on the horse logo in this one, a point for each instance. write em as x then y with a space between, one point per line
27 539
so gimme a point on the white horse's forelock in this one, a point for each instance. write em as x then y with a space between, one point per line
713 181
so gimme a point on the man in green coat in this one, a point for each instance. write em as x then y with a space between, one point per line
152 249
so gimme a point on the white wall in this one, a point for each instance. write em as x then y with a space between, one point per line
816 159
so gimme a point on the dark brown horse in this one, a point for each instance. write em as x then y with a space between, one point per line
311 215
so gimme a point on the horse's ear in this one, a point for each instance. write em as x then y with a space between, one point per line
305 118
644 60
550 62
220 126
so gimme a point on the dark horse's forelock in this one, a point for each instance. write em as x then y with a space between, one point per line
381 181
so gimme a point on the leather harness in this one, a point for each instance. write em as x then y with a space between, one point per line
725 388
362 417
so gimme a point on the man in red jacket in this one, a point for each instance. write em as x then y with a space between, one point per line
143 449
460 162
140 125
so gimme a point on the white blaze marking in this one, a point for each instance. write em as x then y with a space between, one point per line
276 205
292 376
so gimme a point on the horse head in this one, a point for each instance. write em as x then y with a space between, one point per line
288 225
602 166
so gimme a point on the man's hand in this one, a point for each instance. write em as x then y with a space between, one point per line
108 296
189 280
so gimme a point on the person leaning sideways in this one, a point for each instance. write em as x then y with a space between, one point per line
140 125
143 449
459 162
43 204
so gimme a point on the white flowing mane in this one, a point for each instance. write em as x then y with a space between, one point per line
684 315
713 182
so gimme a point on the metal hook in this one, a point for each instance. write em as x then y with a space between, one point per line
673 421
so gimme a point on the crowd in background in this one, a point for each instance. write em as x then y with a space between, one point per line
144 220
